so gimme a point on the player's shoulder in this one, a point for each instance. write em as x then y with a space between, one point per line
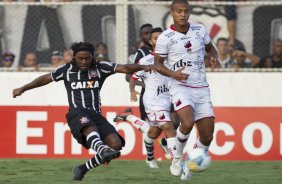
106 67
195 26
63 67
105 63
147 60
167 34
143 51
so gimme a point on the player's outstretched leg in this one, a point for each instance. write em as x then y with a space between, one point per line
122 116
138 123
103 158
81 170
108 155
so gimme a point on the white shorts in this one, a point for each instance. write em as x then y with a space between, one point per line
157 108
158 118
198 98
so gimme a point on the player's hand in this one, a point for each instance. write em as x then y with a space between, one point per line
150 68
17 92
133 96
180 75
214 63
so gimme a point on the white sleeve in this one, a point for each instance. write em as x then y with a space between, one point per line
139 74
207 38
162 46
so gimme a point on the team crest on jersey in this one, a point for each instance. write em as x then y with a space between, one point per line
178 103
84 120
93 74
188 46
162 117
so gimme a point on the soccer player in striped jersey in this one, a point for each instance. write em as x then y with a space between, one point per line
83 79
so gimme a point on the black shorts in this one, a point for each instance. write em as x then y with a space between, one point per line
143 113
79 118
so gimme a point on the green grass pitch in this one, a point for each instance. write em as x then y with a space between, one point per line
58 171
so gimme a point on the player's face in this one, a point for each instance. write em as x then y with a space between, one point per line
146 33
222 47
83 60
154 38
277 48
180 13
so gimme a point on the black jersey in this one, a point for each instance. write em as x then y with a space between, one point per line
140 53
83 87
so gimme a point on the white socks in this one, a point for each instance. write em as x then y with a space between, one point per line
171 145
180 143
198 144
138 123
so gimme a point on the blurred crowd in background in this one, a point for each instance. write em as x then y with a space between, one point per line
57 58
232 52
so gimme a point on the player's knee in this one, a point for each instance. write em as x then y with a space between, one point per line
169 130
116 145
175 124
114 142
186 128
152 135
207 139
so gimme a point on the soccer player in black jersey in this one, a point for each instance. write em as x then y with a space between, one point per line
83 78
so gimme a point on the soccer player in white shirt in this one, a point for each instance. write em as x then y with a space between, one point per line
183 45
156 101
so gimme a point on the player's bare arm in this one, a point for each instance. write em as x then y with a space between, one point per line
178 75
131 68
133 92
138 83
40 81
213 55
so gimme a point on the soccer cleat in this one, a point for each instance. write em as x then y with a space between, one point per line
186 173
122 116
175 167
152 164
78 173
165 149
109 154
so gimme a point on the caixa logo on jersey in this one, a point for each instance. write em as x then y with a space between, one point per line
85 85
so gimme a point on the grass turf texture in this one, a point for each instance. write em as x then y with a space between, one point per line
58 171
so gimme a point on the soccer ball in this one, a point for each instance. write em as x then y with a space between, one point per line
198 160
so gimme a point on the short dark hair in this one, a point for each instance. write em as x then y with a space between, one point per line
8 56
101 44
145 25
178 1
82 46
221 39
157 30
